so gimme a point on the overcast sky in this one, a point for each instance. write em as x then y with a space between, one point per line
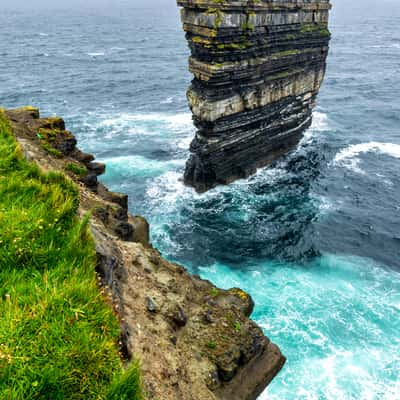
83 3
340 5
113 3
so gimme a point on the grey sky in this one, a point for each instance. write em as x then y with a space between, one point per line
340 5
32 4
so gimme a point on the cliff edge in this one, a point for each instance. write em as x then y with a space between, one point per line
258 66
195 341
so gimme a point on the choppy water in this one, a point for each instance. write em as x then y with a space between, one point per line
315 238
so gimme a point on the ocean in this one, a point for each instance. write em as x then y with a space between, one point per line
314 238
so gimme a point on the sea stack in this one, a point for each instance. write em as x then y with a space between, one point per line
258 66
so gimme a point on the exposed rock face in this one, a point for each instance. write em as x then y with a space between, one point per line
258 66
194 341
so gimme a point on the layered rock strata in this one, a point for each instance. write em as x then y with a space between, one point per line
258 66
194 341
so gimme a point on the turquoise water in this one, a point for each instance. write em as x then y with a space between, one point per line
335 316
314 238
337 321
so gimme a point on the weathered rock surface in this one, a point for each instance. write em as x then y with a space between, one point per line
195 341
258 66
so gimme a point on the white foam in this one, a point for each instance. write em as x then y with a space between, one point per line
386 46
167 189
324 204
180 119
99 54
168 100
118 48
269 174
348 157
320 124
184 143
320 121
137 164
154 124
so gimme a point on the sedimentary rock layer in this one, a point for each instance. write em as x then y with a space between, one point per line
258 66
194 341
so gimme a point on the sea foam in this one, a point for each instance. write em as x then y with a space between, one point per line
320 121
99 54
348 157
137 165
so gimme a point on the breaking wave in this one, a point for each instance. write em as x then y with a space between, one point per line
349 157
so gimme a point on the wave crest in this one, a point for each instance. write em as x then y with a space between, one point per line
348 157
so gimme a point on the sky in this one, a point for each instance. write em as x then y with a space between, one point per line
343 10
32 4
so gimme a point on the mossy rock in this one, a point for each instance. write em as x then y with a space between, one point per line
51 150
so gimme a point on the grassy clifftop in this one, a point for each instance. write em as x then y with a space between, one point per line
58 337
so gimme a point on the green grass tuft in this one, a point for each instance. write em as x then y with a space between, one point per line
237 326
211 344
51 150
76 169
321 29
58 337
126 386
214 292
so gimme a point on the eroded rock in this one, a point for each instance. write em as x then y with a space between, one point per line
258 66
194 341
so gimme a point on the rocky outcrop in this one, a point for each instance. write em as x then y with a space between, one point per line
258 66
194 341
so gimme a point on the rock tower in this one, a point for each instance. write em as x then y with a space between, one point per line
258 66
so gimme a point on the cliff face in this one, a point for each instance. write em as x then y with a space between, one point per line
258 66
194 341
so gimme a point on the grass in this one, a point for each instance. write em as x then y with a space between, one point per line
76 169
214 292
237 326
321 29
51 150
58 337
126 386
211 344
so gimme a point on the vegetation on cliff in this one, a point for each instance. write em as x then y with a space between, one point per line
193 339
58 337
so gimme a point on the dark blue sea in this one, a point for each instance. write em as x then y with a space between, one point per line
315 238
